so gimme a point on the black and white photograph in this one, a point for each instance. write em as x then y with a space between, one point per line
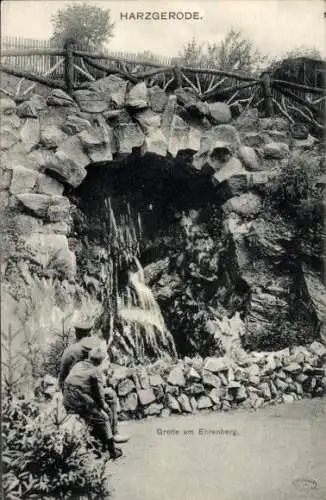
163 292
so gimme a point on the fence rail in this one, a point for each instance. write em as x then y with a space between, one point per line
70 66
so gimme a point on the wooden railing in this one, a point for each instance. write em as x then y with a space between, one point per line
71 67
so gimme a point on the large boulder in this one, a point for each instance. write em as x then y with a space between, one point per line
112 89
75 124
232 168
47 185
249 158
176 377
137 97
130 402
143 378
125 387
60 98
38 101
129 136
276 150
74 150
8 137
7 106
220 112
173 404
210 379
184 403
12 121
26 109
146 396
178 135
90 101
44 248
148 120
254 139
155 142
59 209
97 144
216 365
52 137
36 203
226 134
30 133
194 106
157 98
156 380
204 402
154 409
23 180
69 162
67 169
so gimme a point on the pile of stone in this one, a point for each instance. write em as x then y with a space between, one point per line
220 383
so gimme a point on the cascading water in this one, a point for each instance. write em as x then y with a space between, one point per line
135 324
139 309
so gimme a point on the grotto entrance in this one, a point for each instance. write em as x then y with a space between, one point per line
169 218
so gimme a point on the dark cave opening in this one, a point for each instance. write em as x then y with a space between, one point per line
161 191
157 188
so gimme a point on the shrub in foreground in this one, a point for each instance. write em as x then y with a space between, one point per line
41 460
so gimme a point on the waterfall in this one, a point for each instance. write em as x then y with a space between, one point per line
135 323
139 309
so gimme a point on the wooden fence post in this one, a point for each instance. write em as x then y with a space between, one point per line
69 65
178 75
267 92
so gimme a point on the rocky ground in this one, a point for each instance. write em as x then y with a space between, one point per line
276 454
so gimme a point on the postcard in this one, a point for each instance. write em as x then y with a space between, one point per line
163 300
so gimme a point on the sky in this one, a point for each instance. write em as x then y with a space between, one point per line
274 26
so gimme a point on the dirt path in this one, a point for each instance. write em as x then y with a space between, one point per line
277 453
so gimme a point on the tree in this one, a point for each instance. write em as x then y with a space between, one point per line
303 51
233 52
301 65
86 24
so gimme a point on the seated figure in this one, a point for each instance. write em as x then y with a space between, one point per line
83 394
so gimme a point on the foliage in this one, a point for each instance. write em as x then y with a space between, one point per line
188 321
86 24
11 377
51 364
234 52
42 460
280 333
302 51
290 67
297 197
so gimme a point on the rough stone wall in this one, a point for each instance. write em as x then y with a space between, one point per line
47 144
196 385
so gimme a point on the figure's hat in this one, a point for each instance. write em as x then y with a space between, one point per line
90 343
83 327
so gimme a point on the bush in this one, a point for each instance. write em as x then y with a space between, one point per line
53 357
40 460
295 195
